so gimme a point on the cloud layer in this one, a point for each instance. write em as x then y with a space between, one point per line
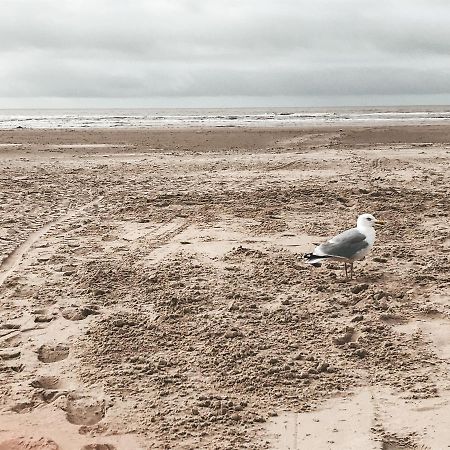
143 49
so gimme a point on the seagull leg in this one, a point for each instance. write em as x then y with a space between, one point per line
351 271
346 274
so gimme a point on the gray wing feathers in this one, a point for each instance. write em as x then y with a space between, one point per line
345 245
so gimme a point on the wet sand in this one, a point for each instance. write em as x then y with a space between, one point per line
152 295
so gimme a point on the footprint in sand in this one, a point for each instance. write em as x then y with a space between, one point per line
52 353
82 409
49 388
22 443
46 382
23 407
10 337
98 447
9 353
79 312
42 315
395 444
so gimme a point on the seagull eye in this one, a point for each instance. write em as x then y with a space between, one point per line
369 219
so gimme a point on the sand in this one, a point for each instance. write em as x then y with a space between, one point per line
153 294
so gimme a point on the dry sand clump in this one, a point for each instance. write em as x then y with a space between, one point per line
153 296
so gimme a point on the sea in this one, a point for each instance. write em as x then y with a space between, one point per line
228 117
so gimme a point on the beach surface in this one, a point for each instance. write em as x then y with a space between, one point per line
153 293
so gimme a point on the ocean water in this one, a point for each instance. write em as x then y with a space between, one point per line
240 117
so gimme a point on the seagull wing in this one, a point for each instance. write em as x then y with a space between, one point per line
345 245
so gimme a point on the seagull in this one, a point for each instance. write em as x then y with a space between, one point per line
350 246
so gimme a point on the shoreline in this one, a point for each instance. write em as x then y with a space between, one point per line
262 126
172 118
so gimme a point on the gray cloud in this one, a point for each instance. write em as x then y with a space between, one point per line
249 48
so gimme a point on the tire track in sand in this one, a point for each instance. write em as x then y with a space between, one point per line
12 261
161 239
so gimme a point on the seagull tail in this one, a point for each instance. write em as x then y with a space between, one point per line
314 260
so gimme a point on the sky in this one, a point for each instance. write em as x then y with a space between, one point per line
216 53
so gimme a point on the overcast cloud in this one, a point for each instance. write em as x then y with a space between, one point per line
223 53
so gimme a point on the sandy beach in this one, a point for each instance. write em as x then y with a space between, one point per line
153 293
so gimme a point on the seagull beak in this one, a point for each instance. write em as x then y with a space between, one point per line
379 222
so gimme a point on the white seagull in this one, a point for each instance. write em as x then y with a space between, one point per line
349 246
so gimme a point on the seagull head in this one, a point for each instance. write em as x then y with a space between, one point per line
367 220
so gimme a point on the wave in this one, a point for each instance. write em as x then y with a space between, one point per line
10 119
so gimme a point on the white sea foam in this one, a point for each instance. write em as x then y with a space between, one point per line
173 118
